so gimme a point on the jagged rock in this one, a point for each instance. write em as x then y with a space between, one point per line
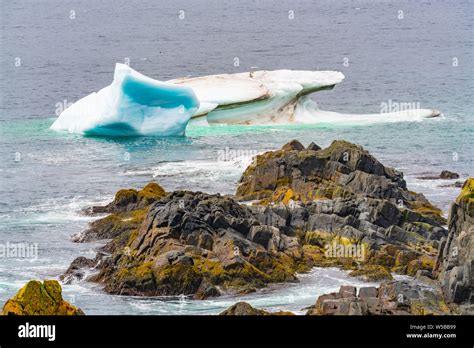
368 292
37 298
446 174
127 212
313 147
340 170
293 145
455 262
347 291
337 206
77 269
130 199
206 290
263 234
113 225
394 297
196 244
243 308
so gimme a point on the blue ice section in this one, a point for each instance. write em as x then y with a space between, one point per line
132 105
119 129
151 94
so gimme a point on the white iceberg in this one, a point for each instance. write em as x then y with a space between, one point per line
307 111
281 97
133 104
258 97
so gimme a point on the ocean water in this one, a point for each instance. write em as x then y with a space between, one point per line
55 52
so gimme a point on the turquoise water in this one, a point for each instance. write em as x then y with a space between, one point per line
47 177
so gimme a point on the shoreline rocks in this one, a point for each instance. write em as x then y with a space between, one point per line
127 212
444 175
40 298
194 243
342 170
455 262
336 206
390 298
244 309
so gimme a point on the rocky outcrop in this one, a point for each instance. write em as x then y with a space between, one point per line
455 262
196 243
444 175
337 206
342 170
79 269
37 298
130 199
391 298
243 308
127 211
344 191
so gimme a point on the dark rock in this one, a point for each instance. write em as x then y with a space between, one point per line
455 263
313 147
340 170
130 199
394 297
262 234
347 291
446 174
396 233
366 292
293 145
194 243
243 308
206 290
77 270
186 243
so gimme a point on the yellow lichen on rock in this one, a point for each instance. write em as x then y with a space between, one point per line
372 273
151 192
467 192
37 298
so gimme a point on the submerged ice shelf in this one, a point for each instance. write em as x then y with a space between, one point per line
135 104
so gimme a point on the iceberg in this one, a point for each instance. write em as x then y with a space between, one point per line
278 97
307 111
258 97
133 104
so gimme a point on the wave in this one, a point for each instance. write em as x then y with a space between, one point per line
55 210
